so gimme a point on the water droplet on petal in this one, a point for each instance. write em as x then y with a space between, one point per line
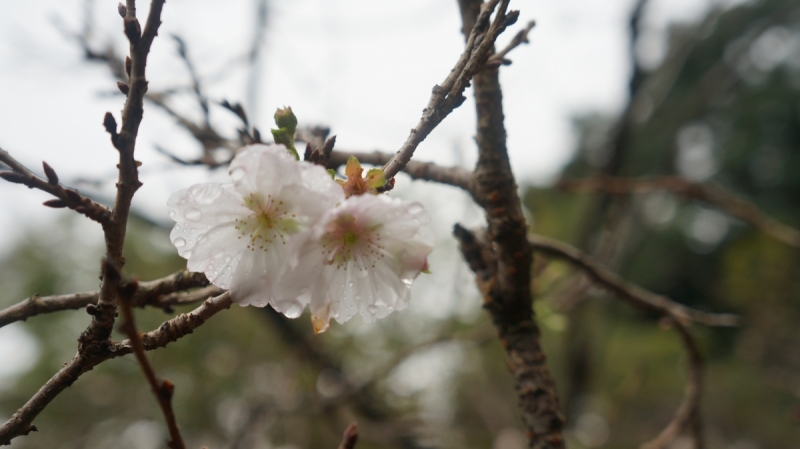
216 273
294 310
210 266
363 273
179 242
372 308
193 214
407 281
414 208
237 173
227 259
351 283
172 214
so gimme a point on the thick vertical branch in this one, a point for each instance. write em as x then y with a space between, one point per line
508 297
124 141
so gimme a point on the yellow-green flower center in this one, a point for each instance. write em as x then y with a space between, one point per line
270 224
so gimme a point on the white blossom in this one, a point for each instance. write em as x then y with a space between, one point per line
237 233
361 257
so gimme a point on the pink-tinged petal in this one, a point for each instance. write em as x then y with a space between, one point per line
369 248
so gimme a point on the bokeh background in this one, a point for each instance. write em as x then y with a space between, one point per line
706 90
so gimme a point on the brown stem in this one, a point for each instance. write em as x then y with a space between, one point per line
125 142
508 258
688 414
161 293
449 95
162 389
521 37
350 437
69 197
21 423
629 292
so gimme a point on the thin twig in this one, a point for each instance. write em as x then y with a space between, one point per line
711 194
350 437
128 183
688 414
629 292
428 171
162 389
21 423
159 293
68 197
521 37
449 95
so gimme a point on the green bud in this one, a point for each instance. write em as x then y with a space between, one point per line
285 118
283 136
332 172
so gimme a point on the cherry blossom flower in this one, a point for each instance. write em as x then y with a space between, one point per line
361 257
237 233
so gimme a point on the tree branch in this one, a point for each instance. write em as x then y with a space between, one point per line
688 414
162 389
449 95
711 194
21 423
159 293
507 259
521 37
66 197
626 291
125 142
350 437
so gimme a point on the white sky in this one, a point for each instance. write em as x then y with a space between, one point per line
365 68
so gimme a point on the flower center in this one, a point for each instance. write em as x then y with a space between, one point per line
345 240
271 223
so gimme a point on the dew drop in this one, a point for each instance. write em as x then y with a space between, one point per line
351 283
216 273
237 174
363 273
372 308
177 228
210 266
407 281
415 208
179 242
294 310
193 214
227 259
172 214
